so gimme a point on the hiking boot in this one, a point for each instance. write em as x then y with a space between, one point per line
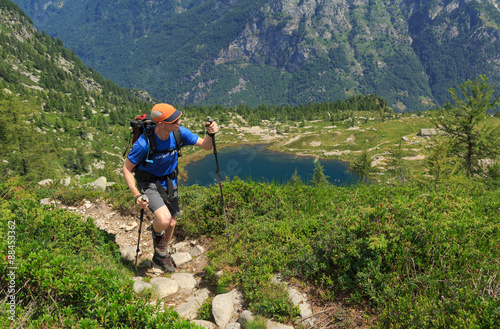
160 245
163 262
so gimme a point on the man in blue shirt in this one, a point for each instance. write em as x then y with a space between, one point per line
157 177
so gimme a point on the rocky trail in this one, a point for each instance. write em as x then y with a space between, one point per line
187 289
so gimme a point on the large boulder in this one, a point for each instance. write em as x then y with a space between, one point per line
99 184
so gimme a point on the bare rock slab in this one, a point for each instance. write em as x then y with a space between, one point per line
189 309
128 253
181 258
300 300
140 286
165 286
185 280
205 324
197 251
224 305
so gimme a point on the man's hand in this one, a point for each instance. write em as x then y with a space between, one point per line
142 201
212 127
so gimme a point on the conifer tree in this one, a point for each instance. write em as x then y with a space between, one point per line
441 165
463 121
362 167
397 165
295 179
319 178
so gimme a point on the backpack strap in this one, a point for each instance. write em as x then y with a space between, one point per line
145 176
178 141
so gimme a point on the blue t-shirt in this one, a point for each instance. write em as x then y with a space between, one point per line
163 163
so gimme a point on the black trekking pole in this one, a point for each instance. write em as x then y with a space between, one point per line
218 175
139 231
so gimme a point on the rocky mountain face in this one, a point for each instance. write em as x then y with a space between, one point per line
282 51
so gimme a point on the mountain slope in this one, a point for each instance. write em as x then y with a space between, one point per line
52 105
281 51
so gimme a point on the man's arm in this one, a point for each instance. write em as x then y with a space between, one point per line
130 180
206 142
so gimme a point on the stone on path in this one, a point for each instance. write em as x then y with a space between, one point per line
181 258
185 280
156 269
189 309
197 251
140 286
179 246
165 286
128 253
130 226
224 305
205 324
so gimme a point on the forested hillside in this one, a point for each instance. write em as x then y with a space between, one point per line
54 108
281 51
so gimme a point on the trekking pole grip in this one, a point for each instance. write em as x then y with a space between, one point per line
142 216
209 134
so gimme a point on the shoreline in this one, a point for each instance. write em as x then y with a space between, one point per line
201 154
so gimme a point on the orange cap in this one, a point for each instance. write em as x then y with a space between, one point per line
165 112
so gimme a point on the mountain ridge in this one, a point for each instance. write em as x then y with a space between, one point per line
282 51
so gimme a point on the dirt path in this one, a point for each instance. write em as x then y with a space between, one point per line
124 228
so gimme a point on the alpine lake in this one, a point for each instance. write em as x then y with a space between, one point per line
257 163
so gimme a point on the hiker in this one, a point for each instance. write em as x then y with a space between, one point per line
157 177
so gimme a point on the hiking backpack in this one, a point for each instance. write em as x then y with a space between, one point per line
144 124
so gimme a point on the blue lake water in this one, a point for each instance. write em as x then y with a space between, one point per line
256 163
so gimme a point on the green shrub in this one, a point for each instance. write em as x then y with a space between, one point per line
67 272
412 255
258 323
205 311
415 258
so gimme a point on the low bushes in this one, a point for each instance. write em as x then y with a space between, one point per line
420 259
66 272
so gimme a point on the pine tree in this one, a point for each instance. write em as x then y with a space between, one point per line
81 161
397 165
441 165
319 178
463 121
295 179
362 167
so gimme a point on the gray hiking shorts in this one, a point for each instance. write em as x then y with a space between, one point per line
155 199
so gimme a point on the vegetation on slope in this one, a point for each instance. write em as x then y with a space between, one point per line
412 255
420 252
65 271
